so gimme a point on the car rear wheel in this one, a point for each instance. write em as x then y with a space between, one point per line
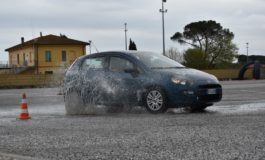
155 100
74 103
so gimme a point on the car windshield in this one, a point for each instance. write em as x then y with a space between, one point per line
156 61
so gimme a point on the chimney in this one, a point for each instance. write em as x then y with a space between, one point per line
22 40
40 34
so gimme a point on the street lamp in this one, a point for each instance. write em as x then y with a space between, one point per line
125 30
163 11
90 46
247 51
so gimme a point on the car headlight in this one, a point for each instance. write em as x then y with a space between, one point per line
180 81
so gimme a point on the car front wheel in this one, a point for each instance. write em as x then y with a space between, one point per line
155 100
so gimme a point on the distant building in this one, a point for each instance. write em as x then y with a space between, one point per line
46 54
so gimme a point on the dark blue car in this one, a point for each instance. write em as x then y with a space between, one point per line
120 78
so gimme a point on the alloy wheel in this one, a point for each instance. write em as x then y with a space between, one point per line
154 100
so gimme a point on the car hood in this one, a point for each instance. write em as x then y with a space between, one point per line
190 74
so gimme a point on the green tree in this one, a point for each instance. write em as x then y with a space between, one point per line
194 58
211 39
132 45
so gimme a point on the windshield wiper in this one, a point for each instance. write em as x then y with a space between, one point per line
177 67
167 67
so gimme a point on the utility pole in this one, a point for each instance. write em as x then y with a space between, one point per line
125 30
90 43
247 50
163 11
36 55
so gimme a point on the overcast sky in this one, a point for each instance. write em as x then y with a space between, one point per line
102 21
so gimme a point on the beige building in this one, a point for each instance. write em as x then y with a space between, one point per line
46 54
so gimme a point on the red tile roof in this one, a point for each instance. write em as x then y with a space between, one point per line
49 40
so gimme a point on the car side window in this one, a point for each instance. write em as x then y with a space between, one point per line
119 64
93 63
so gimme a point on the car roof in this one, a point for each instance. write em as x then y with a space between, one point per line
119 52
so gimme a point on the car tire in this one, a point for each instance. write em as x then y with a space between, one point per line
73 103
155 100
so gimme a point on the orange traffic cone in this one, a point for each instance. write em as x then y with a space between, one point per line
24 108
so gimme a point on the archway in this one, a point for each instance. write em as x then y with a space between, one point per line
256 66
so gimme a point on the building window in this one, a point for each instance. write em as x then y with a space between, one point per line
48 72
48 56
64 56
17 58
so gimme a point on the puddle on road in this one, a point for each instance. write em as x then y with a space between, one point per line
59 110
226 109
38 110
238 109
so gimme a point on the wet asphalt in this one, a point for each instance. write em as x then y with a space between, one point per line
232 129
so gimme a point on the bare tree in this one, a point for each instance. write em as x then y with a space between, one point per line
174 54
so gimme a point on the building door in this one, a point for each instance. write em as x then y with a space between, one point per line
17 59
24 60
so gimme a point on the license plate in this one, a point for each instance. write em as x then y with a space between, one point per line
211 91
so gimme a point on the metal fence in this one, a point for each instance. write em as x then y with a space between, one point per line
32 80
4 64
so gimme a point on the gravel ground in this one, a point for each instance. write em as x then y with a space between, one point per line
206 135
138 136
4 156
233 129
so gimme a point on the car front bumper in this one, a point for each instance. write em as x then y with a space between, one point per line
202 94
